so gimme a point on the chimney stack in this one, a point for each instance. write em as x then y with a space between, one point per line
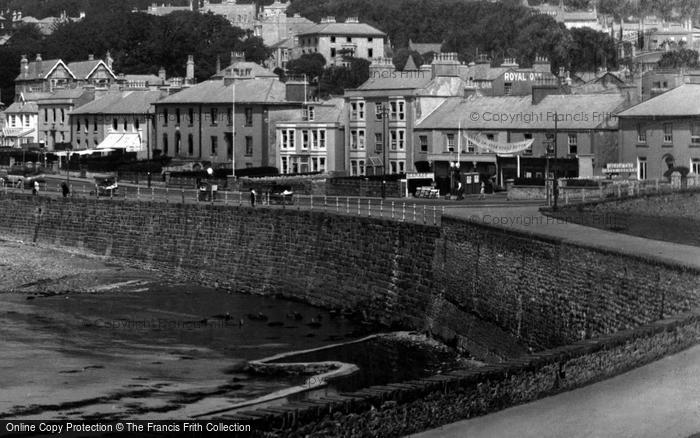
91 57
189 74
108 59
218 64
237 57
161 74
39 65
24 66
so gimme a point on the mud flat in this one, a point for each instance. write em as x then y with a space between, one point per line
86 338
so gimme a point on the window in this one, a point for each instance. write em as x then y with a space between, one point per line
229 116
63 116
46 115
393 166
668 133
165 144
695 166
178 142
398 110
394 139
370 53
507 88
249 116
214 114
642 168
450 144
177 115
248 146
77 125
423 143
305 139
361 166
378 143
402 166
190 116
332 52
87 125
287 139
285 165
53 115
348 39
114 124
137 124
641 134
378 110
527 136
353 168
357 110
310 113
214 145
322 164
695 133
332 38
370 39
402 138
125 125
321 138
190 144
573 144
357 139
165 117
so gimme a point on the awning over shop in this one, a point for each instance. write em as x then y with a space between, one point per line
466 158
17 132
129 141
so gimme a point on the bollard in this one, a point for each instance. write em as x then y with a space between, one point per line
381 208
347 205
403 212
240 198
226 197
369 208
337 206
392 209
358 207
414 212
434 215
425 220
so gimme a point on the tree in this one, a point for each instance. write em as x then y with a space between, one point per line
336 79
310 65
591 50
401 57
683 58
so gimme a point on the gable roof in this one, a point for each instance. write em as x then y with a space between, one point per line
122 102
83 69
358 29
256 70
682 101
328 111
47 67
259 90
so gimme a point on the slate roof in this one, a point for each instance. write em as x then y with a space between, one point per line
82 69
19 108
358 29
261 90
124 102
576 112
682 101
423 48
63 96
328 111
257 70
34 73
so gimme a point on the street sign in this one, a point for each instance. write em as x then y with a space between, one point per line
620 168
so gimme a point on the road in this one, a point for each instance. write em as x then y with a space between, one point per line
657 400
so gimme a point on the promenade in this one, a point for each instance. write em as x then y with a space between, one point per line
657 400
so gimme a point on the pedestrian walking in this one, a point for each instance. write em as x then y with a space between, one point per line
252 197
482 191
35 189
65 189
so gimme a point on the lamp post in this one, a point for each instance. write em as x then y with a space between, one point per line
384 112
555 187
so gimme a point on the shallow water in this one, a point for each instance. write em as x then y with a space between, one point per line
146 349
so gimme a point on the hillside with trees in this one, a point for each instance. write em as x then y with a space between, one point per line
139 44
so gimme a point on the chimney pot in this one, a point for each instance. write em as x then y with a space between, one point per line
91 57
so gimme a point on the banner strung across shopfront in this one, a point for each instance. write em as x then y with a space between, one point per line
497 147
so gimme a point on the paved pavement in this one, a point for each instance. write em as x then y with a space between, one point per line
529 219
658 400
